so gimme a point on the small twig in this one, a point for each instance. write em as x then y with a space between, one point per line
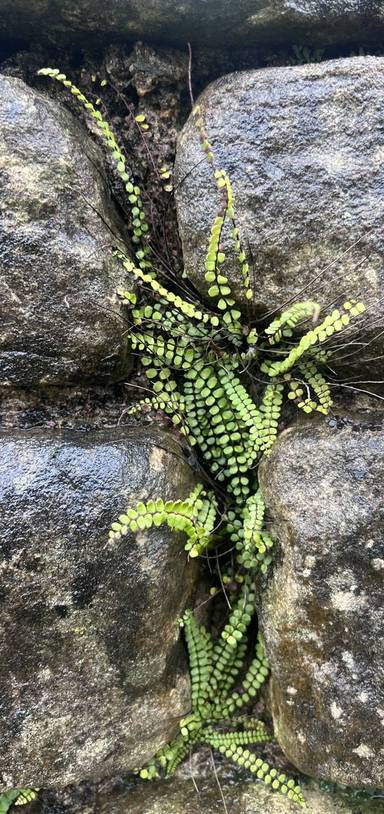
190 75
357 390
192 775
313 279
218 783
130 109
222 581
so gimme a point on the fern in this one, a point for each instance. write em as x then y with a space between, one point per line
16 797
282 326
195 516
214 670
197 357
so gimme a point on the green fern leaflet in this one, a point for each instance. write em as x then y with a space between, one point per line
16 797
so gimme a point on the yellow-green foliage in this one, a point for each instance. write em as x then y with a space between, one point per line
215 668
16 797
195 516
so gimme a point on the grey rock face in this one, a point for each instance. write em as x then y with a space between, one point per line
181 796
247 22
323 612
60 321
132 19
92 672
302 146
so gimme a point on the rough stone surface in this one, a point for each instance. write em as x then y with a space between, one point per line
59 316
304 149
92 673
323 613
182 796
247 22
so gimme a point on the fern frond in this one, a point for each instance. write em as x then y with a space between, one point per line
247 555
318 384
262 771
140 225
170 404
219 287
16 797
333 323
247 412
282 326
224 187
253 735
215 258
172 321
26 796
270 408
254 511
255 543
179 515
169 757
239 251
221 686
255 677
186 308
233 634
199 121
205 518
172 353
216 428
200 649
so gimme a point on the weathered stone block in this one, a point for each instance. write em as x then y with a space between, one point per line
92 672
303 147
60 320
323 611
180 795
211 22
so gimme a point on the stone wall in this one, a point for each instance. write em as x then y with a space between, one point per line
88 686
92 671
